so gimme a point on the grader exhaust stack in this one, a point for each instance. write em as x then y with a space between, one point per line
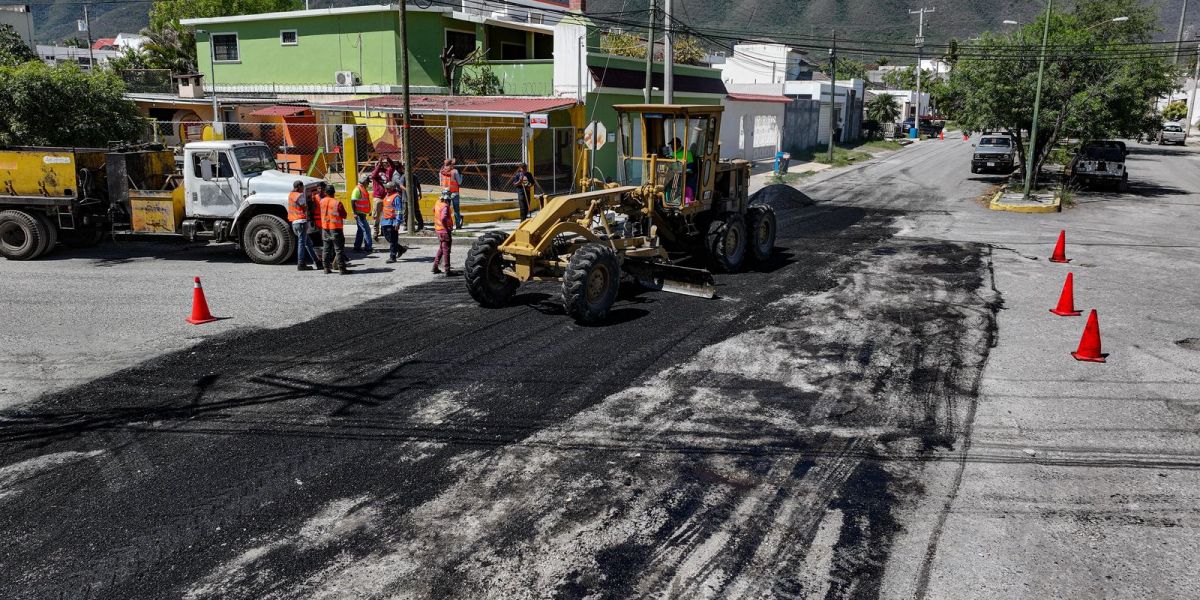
675 201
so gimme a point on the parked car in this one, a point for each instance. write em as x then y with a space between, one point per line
993 153
929 127
1100 162
1171 133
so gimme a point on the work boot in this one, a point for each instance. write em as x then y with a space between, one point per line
344 271
437 271
303 268
401 250
391 260
328 269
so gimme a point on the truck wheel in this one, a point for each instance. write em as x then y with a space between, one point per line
49 234
726 242
20 235
268 241
85 237
591 282
484 272
762 231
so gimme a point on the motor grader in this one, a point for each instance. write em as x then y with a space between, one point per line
673 201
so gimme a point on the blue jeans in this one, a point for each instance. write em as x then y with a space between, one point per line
362 231
454 201
304 245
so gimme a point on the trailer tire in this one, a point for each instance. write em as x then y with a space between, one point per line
591 282
49 234
726 241
84 237
763 228
21 235
484 272
267 240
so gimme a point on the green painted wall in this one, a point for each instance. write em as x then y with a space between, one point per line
524 78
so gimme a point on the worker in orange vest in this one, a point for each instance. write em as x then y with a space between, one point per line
443 224
298 217
393 204
333 219
451 180
360 202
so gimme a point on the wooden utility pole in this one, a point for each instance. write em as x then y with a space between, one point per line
650 51
410 218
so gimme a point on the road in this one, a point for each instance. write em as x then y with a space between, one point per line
825 429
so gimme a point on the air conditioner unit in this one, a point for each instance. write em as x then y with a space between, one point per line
346 78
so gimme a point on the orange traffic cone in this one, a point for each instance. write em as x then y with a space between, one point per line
1060 249
1066 301
966 137
200 314
1089 344
942 135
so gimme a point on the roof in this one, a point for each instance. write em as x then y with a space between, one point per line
102 42
473 105
758 97
315 12
280 110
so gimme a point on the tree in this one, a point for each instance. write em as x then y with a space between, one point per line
906 78
1175 111
13 49
478 78
43 107
848 68
688 51
883 108
623 44
1100 81
173 47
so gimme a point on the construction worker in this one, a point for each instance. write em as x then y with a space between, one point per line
360 202
390 221
451 180
298 217
524 183
443 224
333 219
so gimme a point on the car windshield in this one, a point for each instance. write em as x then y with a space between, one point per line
995 141
1174 128
253 160
1103 153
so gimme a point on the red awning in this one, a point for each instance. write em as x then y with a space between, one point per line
758 98
280 110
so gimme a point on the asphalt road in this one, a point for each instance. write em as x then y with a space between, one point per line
808 434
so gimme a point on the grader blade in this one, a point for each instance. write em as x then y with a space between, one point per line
687 281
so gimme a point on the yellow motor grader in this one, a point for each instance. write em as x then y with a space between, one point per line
674 200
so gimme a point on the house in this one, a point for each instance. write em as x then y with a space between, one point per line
123 41
56 55
751 128
907 100
20 18
764 63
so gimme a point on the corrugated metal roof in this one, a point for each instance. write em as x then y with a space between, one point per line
456 104
280 110
758 97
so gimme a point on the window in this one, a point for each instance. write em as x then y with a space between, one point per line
288 37
537 18
461 43
510 51
253 160
225 47
224 170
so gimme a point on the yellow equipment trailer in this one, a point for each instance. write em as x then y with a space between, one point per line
674 200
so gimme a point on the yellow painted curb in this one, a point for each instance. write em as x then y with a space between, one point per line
995 204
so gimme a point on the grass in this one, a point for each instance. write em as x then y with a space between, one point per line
787 178
881 145
846 154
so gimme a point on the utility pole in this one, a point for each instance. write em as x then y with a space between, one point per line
1179 36
668 55
87 23
650 50
920 43
832 92
410 219
1037 102
1192 101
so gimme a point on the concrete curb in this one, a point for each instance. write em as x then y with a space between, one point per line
1025 207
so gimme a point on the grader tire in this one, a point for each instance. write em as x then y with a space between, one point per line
591 282
484 272
726 241
763 228
21 235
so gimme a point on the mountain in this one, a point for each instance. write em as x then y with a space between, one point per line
855 20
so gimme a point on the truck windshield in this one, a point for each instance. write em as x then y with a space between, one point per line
994 141
253 160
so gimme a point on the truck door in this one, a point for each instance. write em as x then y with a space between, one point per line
219 197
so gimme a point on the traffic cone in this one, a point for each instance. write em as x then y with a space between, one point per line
1060 249
1066 301
1089 344
200 314
966 137
942 135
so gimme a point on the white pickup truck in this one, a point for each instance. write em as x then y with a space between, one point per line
223 191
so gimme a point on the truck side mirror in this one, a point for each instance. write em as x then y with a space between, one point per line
207 169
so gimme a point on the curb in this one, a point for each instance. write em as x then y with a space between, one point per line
1053 207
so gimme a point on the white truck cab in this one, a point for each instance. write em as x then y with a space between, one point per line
234 191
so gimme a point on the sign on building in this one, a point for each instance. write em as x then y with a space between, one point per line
539 121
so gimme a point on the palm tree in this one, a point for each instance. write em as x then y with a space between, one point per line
171 48
883 108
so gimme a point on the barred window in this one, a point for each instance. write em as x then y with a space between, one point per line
225 47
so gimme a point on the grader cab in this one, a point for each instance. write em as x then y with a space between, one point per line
673 201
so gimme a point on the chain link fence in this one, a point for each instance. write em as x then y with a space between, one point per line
487 157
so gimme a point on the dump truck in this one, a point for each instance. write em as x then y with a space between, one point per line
674 211
224 191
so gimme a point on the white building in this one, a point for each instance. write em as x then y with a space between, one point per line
752 125
20 18
907 99
55 55
763 63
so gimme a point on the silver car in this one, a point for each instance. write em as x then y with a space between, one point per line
1171 133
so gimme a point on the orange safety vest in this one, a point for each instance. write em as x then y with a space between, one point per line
295 211
331 214
441 216
363 204
389 207
449 182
